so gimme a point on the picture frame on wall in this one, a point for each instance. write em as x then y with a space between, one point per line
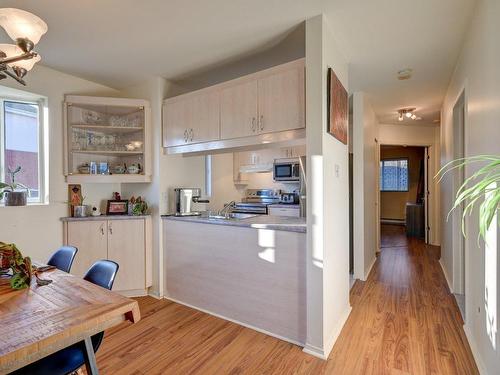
117 207
337 108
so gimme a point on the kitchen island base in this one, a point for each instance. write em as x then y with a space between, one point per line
254 277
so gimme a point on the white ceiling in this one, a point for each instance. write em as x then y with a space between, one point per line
121 42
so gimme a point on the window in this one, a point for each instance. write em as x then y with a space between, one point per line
21 145
394 175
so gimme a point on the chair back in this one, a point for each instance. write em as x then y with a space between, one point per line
102 273
63 258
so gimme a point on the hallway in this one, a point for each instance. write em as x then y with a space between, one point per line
404 319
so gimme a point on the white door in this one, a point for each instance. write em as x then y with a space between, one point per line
126 246
282 101
426 193
90 238
238 110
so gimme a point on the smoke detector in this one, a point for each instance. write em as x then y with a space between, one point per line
405 74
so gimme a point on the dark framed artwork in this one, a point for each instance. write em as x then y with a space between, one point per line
117 207
338 108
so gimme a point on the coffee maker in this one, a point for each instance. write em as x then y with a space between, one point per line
184 199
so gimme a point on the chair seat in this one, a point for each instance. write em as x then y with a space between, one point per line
60 363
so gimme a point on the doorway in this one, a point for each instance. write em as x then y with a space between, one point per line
458 180
403 187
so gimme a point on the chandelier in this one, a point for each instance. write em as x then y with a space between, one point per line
25 29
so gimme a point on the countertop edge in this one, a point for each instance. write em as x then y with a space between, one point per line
297 228
103 217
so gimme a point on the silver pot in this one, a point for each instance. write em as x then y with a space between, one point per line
79 211
15 198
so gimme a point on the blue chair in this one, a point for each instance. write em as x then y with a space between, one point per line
63 258
70 359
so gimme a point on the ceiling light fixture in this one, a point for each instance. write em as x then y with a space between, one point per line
408 113
405 74
25 29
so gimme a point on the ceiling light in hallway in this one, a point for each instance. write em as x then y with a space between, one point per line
408 113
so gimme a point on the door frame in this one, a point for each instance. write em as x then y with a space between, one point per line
431 193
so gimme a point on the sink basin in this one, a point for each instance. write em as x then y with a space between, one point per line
232 216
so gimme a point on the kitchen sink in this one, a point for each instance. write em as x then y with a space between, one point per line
232 216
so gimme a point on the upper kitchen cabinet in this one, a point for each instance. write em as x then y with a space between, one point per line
238 110
191 118
107 140
282 100
261 108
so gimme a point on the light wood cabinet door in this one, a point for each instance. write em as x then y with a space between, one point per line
191 118
90 237
126 246
282 100
238 110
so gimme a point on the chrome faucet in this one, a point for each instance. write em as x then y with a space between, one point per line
226 209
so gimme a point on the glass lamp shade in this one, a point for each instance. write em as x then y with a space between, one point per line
21 24
10 50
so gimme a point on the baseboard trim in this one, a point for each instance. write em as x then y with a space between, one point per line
367 273
446 275
475 352
291 341
155 295
336 332
134 293
315 351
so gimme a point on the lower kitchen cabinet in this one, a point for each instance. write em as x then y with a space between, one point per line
127 241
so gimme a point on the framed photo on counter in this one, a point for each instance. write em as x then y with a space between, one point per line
117 207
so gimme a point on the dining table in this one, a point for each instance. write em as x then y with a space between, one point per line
40 320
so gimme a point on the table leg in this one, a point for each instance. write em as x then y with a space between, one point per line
90 362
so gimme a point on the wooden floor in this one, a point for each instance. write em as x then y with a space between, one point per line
403 321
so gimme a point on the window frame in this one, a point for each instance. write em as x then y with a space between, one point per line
408 177
42 193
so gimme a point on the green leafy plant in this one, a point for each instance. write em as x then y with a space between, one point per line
139 206
4 187
481 188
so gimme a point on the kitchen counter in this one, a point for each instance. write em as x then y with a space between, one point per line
104 217
281 223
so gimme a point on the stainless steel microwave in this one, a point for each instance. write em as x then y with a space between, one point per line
286 170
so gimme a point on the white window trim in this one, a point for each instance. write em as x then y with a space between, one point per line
42 150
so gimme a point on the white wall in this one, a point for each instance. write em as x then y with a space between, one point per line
327 206
477 72
420 135
36 229
365 132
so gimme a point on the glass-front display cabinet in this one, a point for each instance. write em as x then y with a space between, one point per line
107 139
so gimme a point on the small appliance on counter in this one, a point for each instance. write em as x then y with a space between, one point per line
184 199
289 198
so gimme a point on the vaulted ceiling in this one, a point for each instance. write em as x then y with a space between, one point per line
121 42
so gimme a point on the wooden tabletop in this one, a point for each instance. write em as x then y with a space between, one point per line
38 321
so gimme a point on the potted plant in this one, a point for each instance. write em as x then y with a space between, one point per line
482 188
138 206
14 197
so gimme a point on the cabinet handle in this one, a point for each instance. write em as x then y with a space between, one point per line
102 229
192 135
185 136
261 122
253 124
110 229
